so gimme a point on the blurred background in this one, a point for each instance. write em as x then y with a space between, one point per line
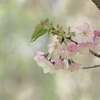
20 77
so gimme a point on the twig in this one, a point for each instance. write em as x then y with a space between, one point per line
69 38
94 53
95 66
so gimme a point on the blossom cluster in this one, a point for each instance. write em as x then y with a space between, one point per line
61 52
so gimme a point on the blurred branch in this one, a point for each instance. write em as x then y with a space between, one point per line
97 3
95 66
95 54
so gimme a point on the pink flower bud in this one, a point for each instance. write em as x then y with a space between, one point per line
97 32
71 47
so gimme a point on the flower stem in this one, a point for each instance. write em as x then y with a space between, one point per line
95 66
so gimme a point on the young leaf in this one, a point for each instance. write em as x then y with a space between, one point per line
38 34
40 30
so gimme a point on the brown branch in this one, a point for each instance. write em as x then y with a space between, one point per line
97 3
95 54
69 38
95 66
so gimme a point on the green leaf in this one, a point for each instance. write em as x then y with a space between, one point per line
40 30
38 34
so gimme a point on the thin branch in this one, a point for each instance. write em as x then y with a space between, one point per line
95 66
69 38
94 53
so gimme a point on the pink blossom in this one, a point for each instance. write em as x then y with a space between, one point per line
43 62
97 33
97 41
55 48
52 66
97 38
86 39
72 47
74 66
69 51
84 48
65 54
47 66
39 56
84 33
60 64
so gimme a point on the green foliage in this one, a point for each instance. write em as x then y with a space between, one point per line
47 27
41 29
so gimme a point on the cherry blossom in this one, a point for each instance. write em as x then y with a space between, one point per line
97 33
55 48
60 64
43 62
83 48
97 41
74 66
84 33
97 38
69 50
71 47
60 53
39 56
66 54
47 66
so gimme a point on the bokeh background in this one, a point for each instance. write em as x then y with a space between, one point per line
20 77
